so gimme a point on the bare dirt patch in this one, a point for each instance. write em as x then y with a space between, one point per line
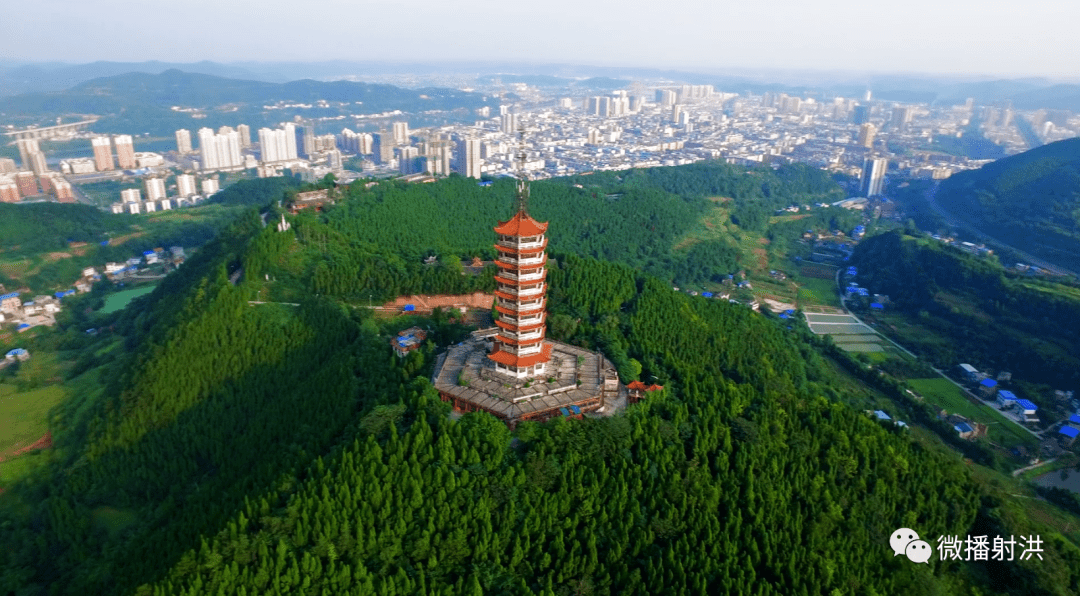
762 257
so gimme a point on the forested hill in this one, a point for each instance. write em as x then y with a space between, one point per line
221 447
143 102
1030 200
634 217
994 319
280 450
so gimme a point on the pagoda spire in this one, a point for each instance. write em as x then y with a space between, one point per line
523 181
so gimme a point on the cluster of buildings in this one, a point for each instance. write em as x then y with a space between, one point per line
188 189
672 125
34 178
32 313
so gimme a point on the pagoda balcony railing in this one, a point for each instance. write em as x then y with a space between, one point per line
524 292
522 350
526 277
522 245
535 334
523 321
538 260
530 305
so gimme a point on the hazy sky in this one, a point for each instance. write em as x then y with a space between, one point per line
1001 37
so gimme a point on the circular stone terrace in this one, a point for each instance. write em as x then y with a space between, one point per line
576 381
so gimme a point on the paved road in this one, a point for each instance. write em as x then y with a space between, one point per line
961 224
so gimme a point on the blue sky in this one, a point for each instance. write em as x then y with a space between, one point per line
996 37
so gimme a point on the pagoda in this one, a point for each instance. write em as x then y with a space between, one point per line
519 349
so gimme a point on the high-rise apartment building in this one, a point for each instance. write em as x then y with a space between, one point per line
901 117
27 184
382 147
103 159
37 163
210 186
155 189
183 141
277 145
125 152
401 133
9 191
220 150
245 135
872 182
468 161
665 97
26 147
130 195
353 142
408 160
867 132
599 106
185 185
509 123
676 113
860 114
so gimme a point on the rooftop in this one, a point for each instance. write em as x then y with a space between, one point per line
521 225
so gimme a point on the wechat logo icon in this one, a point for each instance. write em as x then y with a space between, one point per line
905 541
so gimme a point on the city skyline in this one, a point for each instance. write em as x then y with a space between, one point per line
960 38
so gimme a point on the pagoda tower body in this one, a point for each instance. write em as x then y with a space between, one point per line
520 296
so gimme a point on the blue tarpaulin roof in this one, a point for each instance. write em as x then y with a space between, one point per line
1069 431
564 411
409 307
23 326
1074 419
882 415
877 306
963 428
988 383
16 352
789 311
576 410
1006 394
1027 405
707 294
785 316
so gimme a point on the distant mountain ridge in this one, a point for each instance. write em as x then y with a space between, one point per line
1023 93
138 102
1030 200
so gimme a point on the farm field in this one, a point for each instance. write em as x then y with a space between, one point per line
24 417
944 394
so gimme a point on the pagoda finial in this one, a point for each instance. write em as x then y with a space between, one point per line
523 182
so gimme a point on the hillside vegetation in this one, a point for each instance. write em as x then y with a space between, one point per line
231 448
1030 201
986 317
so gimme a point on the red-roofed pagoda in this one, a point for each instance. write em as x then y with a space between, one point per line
519 348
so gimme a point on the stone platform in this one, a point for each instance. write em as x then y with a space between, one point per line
466 377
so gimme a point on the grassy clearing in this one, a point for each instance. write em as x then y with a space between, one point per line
715 224
818 291
944 394
24 417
